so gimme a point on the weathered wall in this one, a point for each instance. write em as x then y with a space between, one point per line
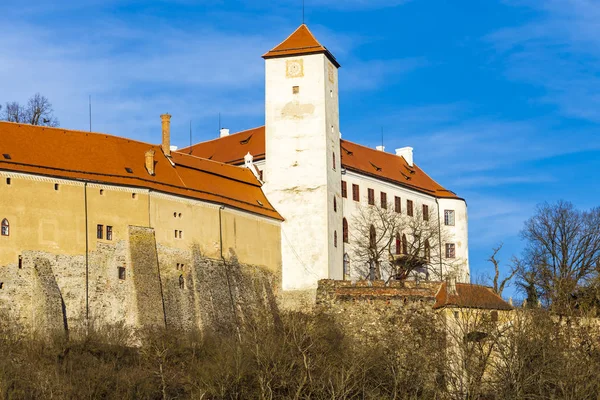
370 310
48 234
302 135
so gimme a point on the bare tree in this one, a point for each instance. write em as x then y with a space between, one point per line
500 284
391 245
562 251
38 111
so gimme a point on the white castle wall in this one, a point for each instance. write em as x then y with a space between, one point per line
456 234
302 132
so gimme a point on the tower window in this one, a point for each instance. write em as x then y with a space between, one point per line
345 230
397 204
296 89
20 262
122 273
371 196
100 231
5 227
181 282
425 212
56 186
384 200
101 192
109 232
355 192
8 181
334 238
409 208
450 250
449 217
334 204
344 189
133 195
333 159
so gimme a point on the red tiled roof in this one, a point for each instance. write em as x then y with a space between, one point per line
470 296
300 42
231 149
102 158
386 166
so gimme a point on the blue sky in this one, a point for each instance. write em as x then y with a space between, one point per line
500 99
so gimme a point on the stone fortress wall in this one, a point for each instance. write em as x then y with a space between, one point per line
225 266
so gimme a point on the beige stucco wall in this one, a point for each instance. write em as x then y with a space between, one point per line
44 219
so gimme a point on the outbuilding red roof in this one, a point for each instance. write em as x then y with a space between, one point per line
468 295
97 157
300 42
363 160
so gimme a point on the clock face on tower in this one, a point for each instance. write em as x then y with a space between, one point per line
294 68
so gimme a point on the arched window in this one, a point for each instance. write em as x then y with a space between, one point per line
334 238
345 230
334 204
427 251
372 237
404 245
398 243
5 227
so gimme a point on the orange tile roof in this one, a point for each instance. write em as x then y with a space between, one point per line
300 42
231 149
386 166
97 157
470 296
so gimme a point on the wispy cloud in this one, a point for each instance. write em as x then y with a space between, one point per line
558 51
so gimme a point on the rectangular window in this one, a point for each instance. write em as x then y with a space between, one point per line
100 231
449 217
494 316
122 273
425 212
371 194
384 200
409 208
397 204
450 250
175 233
344 189
355 192
180 234
108 232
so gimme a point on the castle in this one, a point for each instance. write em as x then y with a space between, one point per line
103 228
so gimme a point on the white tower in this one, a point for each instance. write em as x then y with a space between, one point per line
302 171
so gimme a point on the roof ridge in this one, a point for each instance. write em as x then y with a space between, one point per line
58 128
219 138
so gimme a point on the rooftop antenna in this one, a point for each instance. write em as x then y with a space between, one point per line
190 136
90 102
303 1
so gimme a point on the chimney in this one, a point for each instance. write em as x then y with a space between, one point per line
224 132
166 134
451 285
380 148
407 153
150 162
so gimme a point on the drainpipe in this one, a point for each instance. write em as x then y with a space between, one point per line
87 305
439 237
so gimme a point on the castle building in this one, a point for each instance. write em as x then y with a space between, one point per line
98 227
317 181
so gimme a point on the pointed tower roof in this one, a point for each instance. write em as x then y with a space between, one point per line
301 42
